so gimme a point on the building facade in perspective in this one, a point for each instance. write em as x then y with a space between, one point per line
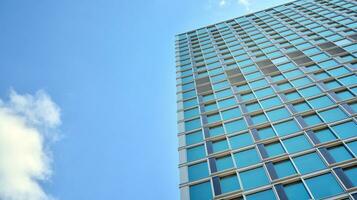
267 104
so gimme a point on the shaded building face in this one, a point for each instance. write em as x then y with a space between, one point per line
267 104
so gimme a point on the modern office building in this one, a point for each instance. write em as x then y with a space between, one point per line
267 104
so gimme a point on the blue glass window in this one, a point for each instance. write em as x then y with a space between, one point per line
264 195
301 81
243 87
302 107
253 107
216 130
284 86
311 51
278 114
270 102
296 191
278 77
321 75
309 163
292 96
254 178
353 146
258 119
264 92
224 93
324 186
339 153
227 103
197 171
338 71
224 163
312 119
348 80
192 124
346 129
190 103
235 126
258 83
191 113
344 95
213 118
353 106
221 85
229 184
325 135
287 66
332 115
246 158
247 96
194 138
321 102
208 97
310 91
231 113
351 173
210 107
292 73
196 153
284 168
201 191
286 128
332 85
296 144
265 133
240 140
319 57
328 64
311 68
220 145
274 149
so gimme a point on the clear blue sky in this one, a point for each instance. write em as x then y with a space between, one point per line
109 65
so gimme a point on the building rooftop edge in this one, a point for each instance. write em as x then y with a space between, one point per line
238 17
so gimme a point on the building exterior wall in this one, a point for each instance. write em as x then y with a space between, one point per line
267 104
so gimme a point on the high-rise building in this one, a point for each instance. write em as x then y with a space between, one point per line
267 104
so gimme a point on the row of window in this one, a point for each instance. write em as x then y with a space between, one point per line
270 148
267 99
248 158
273 112
317 187
284 31
265 52
319 12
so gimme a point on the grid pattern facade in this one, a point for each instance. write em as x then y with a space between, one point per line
267 104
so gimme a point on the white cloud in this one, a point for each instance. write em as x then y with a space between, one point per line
245 3
24 158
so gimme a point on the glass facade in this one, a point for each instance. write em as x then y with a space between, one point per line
267 104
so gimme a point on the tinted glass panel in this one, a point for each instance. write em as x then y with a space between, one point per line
229 183
246 158
197 171
296 191
201 191
267 194
309 163
324 186
254 178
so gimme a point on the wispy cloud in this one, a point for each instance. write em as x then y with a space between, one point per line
27 122
245 3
